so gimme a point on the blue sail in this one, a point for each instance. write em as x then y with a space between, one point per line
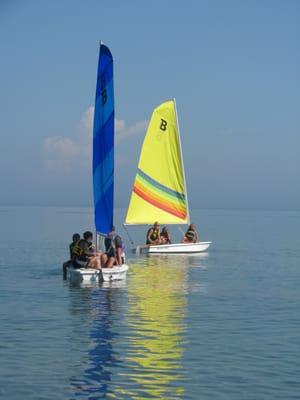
103 144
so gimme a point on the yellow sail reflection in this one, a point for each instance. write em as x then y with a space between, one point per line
156 306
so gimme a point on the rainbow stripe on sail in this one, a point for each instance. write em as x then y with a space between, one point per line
159 195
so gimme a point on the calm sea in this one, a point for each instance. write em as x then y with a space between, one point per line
222 325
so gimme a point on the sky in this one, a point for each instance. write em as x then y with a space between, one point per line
233 67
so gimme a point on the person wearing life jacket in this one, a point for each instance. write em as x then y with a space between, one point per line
75 240
191 235
67 264
153 234
114 250
165 236
85 255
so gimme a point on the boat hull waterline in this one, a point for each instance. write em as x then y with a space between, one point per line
95 275
177 248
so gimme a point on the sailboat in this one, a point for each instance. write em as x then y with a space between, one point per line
159 191
103 167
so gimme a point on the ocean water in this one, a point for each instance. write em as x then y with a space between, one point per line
221 325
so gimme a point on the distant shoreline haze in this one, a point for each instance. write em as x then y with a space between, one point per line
120 207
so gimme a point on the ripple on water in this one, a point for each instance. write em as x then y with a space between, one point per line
220 326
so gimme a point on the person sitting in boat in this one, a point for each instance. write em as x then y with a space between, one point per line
67 264
113 250
85 255
191 235
153 234
165 236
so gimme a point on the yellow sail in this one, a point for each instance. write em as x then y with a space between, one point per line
159 188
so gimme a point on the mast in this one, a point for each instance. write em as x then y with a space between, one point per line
182 163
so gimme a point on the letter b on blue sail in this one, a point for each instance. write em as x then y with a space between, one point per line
103 144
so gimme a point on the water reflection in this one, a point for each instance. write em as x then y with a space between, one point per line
132 336
155 318
100 309
180 260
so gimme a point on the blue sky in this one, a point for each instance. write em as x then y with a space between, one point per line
233 67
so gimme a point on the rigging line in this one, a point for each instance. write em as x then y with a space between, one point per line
129 237
180 230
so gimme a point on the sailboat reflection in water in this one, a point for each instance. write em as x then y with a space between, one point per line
98 311
156 325
131 342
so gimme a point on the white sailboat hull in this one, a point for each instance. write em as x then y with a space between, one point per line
177 248
93 275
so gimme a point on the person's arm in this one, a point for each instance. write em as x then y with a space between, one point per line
87 251
94 252
119 250
159 238
71 250
119 255
149 234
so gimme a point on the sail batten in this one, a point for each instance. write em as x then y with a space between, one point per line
159 188
103 143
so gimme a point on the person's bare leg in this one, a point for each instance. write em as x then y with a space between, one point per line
97 262
110 262
94 263
104 260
